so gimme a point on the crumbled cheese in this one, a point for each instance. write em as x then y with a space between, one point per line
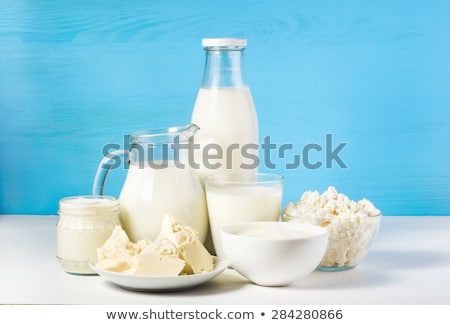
176 251
351 225
117 252
187 246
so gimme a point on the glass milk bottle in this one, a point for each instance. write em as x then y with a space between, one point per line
224 111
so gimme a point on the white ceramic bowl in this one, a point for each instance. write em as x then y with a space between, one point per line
274 253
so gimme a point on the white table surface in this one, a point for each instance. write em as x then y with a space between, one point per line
409 264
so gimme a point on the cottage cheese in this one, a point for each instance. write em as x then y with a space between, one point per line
351 225
176 251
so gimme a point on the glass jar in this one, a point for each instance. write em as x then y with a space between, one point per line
84 224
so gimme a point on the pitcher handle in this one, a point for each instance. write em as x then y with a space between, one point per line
103 170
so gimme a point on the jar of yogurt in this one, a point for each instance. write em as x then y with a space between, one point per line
84 224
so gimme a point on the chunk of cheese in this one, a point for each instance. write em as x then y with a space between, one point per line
176 251
189 248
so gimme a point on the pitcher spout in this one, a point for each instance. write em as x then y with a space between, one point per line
190 130
164 135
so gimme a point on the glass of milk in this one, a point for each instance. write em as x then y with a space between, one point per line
241 197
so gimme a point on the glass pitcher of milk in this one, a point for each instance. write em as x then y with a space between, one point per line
224 111
160 180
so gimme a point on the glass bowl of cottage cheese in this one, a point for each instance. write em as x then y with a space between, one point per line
352 225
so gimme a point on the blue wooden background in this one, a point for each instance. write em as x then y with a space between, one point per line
77 75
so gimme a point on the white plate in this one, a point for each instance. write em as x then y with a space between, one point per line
161 283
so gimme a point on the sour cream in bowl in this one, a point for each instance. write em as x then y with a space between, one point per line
274 253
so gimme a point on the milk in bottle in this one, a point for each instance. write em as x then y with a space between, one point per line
224 111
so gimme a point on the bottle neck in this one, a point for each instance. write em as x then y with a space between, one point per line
224 67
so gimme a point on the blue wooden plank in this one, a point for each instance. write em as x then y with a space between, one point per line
76 76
